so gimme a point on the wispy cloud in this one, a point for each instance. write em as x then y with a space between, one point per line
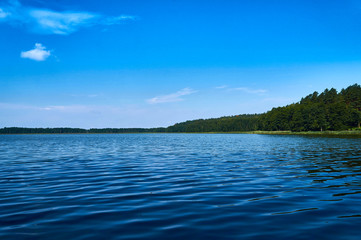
243 89
39 53
90 116
173 97
117 20
3 14
221 87
71 108
61 108
86 95
46 21
248 90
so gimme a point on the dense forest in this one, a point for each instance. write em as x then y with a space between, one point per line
246 122
326 111
317 112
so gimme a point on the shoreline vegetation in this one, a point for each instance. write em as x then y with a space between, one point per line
327 113
356 132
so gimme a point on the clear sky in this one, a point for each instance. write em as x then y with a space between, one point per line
142 63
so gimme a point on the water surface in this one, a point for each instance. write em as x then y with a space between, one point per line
177 186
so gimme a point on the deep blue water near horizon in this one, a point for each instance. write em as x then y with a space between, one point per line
176 186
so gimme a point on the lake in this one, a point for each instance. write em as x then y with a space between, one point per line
177 186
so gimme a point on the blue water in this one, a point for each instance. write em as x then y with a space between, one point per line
179 186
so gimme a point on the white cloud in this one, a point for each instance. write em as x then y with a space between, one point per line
69 108
47 21
3 14
243 89
117 20
173 97
86 95
54 108
91 116
252 91
222 87
39 53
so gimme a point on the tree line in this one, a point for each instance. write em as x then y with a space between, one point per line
245 122
326 111
21 130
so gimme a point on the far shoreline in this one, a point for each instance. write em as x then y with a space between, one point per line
309 133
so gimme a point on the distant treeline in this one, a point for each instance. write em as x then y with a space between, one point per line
19 130
328 110
246 122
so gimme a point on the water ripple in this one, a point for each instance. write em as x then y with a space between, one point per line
176 186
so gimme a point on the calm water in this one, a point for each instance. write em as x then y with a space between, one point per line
178 186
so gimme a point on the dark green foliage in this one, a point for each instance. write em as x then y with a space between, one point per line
247 122
17 130
125 130
316 112
20 130
352 96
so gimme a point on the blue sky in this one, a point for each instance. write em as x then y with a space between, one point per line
134 63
